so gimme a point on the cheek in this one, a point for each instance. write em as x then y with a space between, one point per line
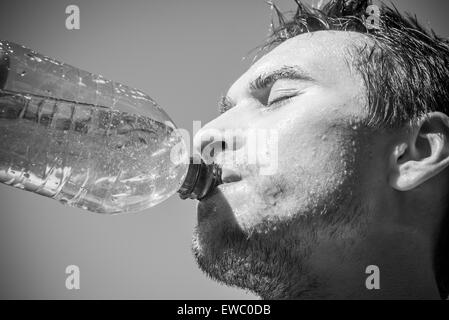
316 156
316 159
311 170
257 201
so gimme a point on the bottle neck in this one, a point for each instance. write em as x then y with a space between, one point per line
4 69
200 180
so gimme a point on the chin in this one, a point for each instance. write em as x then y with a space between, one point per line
216 222
244 259
225 205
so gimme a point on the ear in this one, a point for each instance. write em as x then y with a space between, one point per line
422 154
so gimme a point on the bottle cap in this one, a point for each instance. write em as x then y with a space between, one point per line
201 178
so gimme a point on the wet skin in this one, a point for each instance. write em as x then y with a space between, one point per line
309 229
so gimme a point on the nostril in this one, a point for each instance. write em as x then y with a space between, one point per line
228 175
212 150
216 147
224 146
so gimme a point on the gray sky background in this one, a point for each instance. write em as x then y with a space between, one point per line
184 54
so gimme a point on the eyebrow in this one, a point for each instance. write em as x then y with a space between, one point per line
265 80
268 78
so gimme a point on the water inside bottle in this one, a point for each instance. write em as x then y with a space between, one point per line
89 156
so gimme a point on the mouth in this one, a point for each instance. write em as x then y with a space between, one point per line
215 206
228 177
219 190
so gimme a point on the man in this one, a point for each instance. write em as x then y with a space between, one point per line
357 206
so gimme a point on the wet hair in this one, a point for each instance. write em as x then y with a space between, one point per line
406 72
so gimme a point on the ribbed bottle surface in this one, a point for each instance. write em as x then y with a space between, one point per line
82 139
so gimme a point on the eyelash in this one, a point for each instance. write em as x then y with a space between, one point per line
278 102
265 82
224 104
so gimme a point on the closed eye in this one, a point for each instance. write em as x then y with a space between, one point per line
280 101
282 83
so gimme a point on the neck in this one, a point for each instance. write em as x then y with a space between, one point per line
391 268
402 270
403 265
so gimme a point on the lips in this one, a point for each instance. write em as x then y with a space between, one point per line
228 175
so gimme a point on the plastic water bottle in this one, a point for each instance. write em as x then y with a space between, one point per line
87 141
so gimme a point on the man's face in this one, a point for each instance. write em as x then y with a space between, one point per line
259 231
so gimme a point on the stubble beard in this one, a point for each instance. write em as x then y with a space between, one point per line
272 259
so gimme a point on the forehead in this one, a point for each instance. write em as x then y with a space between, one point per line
324 55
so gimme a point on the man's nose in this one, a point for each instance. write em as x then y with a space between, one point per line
209 142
